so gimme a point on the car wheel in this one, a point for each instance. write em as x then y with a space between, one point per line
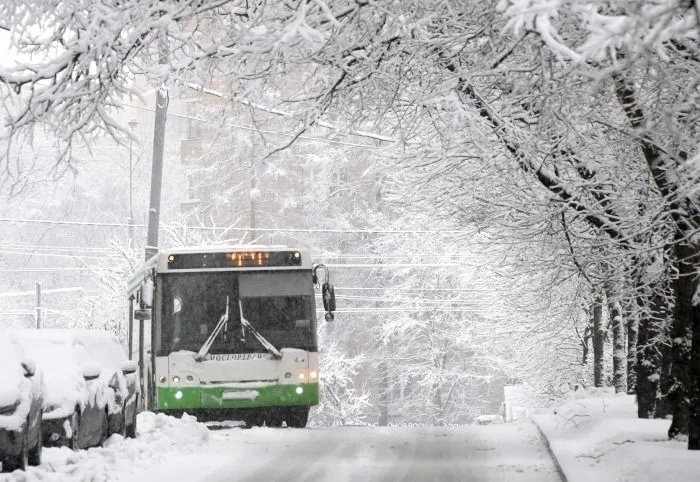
18 462
104 432
74 442
35 452
131 429
122 423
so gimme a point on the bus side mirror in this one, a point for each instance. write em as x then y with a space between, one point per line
142 314
328 295
147 293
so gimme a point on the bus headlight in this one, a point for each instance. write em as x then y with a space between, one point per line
176 379
178 395
162 379
302 376
313 375
299 390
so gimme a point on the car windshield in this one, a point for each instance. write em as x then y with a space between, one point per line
59 364
279 306
104 350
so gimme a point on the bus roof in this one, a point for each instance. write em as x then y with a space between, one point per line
161 264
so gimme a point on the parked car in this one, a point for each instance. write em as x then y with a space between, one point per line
105 349
89 395
21 402
489 419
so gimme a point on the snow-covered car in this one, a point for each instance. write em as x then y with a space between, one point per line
121 374
21 402
488 419
81 394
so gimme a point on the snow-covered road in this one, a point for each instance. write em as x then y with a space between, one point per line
184 450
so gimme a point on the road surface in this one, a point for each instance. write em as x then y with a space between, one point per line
172 449
509 452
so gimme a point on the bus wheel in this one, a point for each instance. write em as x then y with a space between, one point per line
274 420
297 417
253 420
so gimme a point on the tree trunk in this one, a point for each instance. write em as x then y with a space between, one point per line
684 287
632 336
618 333
648 357
694 374
664 407
598 342
383 395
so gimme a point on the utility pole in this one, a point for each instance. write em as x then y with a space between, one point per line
157 171
132 126
253 195
38 305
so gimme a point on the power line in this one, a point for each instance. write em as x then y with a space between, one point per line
279 112
26 270
408 310
392 256
395 265
272 230
43 291
54 255
54 248
255 129
409 289
404 300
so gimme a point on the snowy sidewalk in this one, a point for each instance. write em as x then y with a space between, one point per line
598 437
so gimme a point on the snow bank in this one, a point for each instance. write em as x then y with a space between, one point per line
596 435
159 438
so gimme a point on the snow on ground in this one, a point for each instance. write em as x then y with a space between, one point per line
596 436
159 437
512 453
171 449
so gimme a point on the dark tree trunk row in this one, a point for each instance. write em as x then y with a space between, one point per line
651 328
684 388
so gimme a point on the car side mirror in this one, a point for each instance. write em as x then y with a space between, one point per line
129 366
29 368
91 371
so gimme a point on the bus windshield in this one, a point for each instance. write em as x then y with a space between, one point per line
278 305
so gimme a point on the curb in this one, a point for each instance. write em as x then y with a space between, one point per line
560 470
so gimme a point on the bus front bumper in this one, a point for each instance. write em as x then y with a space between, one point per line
222 397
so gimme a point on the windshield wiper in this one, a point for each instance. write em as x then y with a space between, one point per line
202 353
266 344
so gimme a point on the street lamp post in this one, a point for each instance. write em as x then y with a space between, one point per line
132 126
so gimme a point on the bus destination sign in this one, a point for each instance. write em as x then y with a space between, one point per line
234 259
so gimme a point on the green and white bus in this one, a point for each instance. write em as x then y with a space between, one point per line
229 333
